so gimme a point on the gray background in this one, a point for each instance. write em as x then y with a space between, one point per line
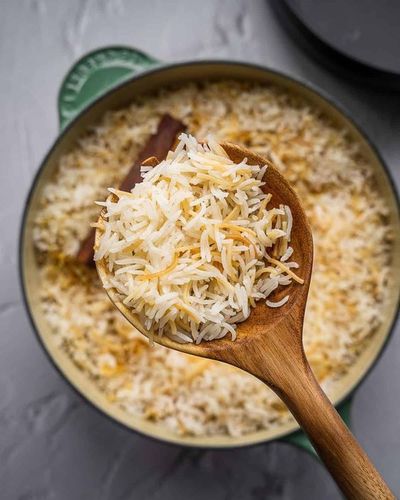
52 445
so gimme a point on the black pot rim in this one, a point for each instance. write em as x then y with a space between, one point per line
144 74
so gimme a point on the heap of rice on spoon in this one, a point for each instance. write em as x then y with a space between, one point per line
195 245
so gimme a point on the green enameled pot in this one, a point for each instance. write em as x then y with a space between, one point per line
109 78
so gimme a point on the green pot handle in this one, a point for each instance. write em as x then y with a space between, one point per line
300 440
96 73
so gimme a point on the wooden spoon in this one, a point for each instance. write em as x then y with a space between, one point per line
269 346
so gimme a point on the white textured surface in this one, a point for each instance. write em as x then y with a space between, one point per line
52 445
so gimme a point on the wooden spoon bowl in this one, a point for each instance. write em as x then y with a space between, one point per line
269 346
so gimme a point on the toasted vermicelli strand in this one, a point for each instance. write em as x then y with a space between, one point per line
159 274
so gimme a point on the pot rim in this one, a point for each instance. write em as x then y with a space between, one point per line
145 74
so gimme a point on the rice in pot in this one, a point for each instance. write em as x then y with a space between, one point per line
348 289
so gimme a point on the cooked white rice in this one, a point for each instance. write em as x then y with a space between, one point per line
348 289
193 246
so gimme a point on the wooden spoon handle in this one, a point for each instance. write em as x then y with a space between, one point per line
342 455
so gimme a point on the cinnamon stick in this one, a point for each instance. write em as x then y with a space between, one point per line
158 145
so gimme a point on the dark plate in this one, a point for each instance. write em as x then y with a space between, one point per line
358 39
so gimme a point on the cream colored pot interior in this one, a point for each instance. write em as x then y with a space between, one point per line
150 81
